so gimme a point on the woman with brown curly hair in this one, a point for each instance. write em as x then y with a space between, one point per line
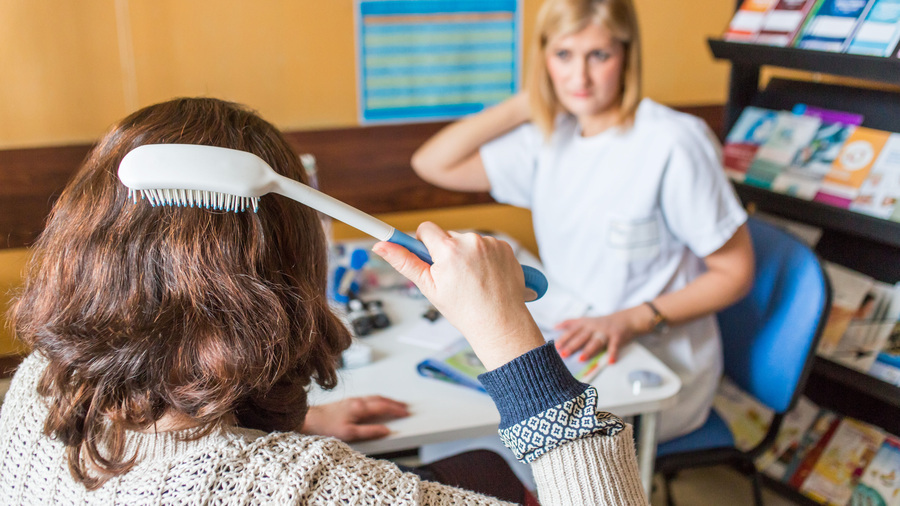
173 347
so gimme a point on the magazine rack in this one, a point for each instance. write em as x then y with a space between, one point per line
860 242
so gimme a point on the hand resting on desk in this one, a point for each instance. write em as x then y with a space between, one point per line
352 419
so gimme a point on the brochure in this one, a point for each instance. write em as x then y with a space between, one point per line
880 192
459 364
838 470
792 133
869 331
887 364
783 21
796 422
748 20
851 167
849 290
812 162
880 484
747 418
750 131
879 31
831 24
811 446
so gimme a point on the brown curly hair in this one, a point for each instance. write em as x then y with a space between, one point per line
146 311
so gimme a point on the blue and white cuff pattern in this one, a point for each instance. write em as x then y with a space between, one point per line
574 419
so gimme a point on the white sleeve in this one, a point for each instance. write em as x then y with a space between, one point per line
510 162
698 202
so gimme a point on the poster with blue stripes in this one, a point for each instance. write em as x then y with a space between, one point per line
424 60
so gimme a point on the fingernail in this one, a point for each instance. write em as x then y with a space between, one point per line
563 353
583 358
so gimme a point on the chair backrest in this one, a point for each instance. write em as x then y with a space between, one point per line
769 337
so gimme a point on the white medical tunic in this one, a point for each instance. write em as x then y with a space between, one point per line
624 216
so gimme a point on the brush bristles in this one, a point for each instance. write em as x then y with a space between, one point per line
195 198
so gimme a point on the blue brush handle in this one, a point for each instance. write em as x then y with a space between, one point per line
535 282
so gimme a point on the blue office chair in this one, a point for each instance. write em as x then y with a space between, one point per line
769 340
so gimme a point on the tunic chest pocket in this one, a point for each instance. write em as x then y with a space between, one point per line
634 239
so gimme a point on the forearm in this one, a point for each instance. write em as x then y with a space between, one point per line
709 293
597 470
453 148
532 392
729 276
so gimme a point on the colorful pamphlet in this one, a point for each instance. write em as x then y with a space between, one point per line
851 167
880 483
880 192
806 171
750 131
838 470
831 24
459 364
887 364
783 21
870 329
791 134
747 418
849 290
795 423
800 463
879 30
748 20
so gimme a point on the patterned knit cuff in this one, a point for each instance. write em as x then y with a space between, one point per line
574 419
530 384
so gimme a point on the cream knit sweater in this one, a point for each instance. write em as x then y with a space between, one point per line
237 466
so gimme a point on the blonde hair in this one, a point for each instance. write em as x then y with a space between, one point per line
559 17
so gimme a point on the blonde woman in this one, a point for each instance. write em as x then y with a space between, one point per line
630 206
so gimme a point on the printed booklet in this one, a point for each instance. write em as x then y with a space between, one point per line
783 21
842 462
880 484
748 20
750 131
459 364
812 162
880 192
792 134
879 31
851 167
831 24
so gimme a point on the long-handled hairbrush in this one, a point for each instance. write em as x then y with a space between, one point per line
233 180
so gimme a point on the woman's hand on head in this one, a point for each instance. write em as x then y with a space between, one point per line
352 419
592 335
477 284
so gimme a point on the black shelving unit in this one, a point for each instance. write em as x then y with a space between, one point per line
863 243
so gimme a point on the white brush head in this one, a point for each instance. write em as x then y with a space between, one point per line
196 175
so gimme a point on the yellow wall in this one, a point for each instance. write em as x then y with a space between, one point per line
12 261
70 68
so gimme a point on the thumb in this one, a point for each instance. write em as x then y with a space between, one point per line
406 263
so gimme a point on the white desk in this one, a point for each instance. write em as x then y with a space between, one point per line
442 411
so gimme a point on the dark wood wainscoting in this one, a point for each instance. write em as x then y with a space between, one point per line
367 167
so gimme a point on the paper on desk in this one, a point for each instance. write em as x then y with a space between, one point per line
434 335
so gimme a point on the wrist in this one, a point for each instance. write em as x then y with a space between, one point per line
498 350
658 322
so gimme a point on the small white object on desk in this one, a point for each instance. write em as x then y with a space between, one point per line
357 355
